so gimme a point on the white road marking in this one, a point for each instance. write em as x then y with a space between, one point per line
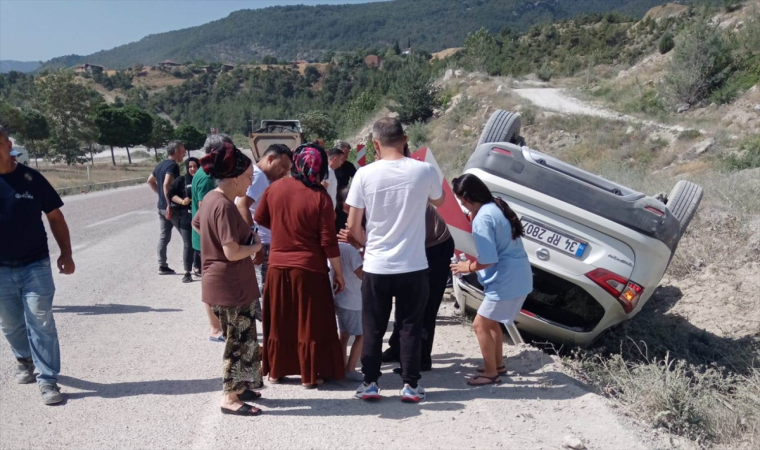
119 217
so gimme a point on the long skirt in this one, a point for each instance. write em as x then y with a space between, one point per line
300 334
241 368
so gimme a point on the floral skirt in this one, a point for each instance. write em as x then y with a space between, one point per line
242 354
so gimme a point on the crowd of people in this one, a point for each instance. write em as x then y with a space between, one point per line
301 241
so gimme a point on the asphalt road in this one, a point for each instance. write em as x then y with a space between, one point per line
139 372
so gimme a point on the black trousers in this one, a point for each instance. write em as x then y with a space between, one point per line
439 261
411 292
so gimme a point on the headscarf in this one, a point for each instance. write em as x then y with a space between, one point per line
227 162
188 177
310 165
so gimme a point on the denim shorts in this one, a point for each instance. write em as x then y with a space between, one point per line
349 321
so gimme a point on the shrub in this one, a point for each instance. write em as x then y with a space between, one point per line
701 64
545 73
689 135
748 156
316 124
667 42
418 135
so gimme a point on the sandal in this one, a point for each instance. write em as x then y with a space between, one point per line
245 410
502 370
275 380
494 380
249 395
318 383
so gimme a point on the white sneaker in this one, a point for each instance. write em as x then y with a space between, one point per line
368 392
413 395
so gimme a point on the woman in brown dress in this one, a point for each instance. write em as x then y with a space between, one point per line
300 334
229 280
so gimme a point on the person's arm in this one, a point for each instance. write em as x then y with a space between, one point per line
196 223
338 281
262 216
153 183
465 267
354 224
168 180
244 206
235 252
485 243
437 196
61 234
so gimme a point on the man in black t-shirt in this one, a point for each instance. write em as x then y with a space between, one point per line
161 182
347 170
26 279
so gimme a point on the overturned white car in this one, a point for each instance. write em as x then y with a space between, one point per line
598 249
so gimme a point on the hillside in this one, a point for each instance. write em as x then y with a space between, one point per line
8 65
432 25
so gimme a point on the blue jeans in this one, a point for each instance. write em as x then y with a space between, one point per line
26 317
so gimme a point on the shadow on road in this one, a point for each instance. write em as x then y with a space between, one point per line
135 388
97 310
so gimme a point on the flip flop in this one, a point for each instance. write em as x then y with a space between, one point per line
319 382
276 380
494 380
245 410
219 338
502 370
249 395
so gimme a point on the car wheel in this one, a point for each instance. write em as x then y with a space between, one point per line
503 126
683 202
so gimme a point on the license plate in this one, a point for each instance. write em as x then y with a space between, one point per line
553 238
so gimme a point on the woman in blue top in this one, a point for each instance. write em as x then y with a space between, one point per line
503 270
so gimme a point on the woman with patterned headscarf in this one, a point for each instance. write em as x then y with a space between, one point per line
229 279
300 334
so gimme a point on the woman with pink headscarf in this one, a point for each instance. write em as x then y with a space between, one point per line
300 334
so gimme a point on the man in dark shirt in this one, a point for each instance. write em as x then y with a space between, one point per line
26 279
161 182
347 170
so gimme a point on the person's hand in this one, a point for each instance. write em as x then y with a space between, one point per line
345 236
338 283
168 212
258 258
66 264
462 267
186 201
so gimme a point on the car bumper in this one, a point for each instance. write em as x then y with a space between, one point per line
470 298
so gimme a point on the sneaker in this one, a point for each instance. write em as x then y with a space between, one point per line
197 273
368 391
51 394
165 270
390 355
353 375
412 395
25 372
187 278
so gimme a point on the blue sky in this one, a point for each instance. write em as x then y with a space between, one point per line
32 30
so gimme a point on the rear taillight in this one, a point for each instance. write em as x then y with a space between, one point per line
626 292
502 151
652 209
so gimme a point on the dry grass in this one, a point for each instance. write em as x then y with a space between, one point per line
61 176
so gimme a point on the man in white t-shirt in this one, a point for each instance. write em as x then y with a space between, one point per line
273 165
393 192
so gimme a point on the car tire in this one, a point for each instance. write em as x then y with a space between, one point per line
683 202
503 126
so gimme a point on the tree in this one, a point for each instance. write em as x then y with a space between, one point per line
190 137
140 127
666 43
480 46
396 48
11 117
163 132
68 107
269 60
36 129
311 74
701 63
317 124
413 93
113 126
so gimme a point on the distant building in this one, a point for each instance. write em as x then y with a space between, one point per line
168 64
407 51
373 61
88 68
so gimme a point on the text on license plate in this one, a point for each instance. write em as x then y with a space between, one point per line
553 238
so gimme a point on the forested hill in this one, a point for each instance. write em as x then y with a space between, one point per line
307 32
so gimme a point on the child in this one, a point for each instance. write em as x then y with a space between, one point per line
348 307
